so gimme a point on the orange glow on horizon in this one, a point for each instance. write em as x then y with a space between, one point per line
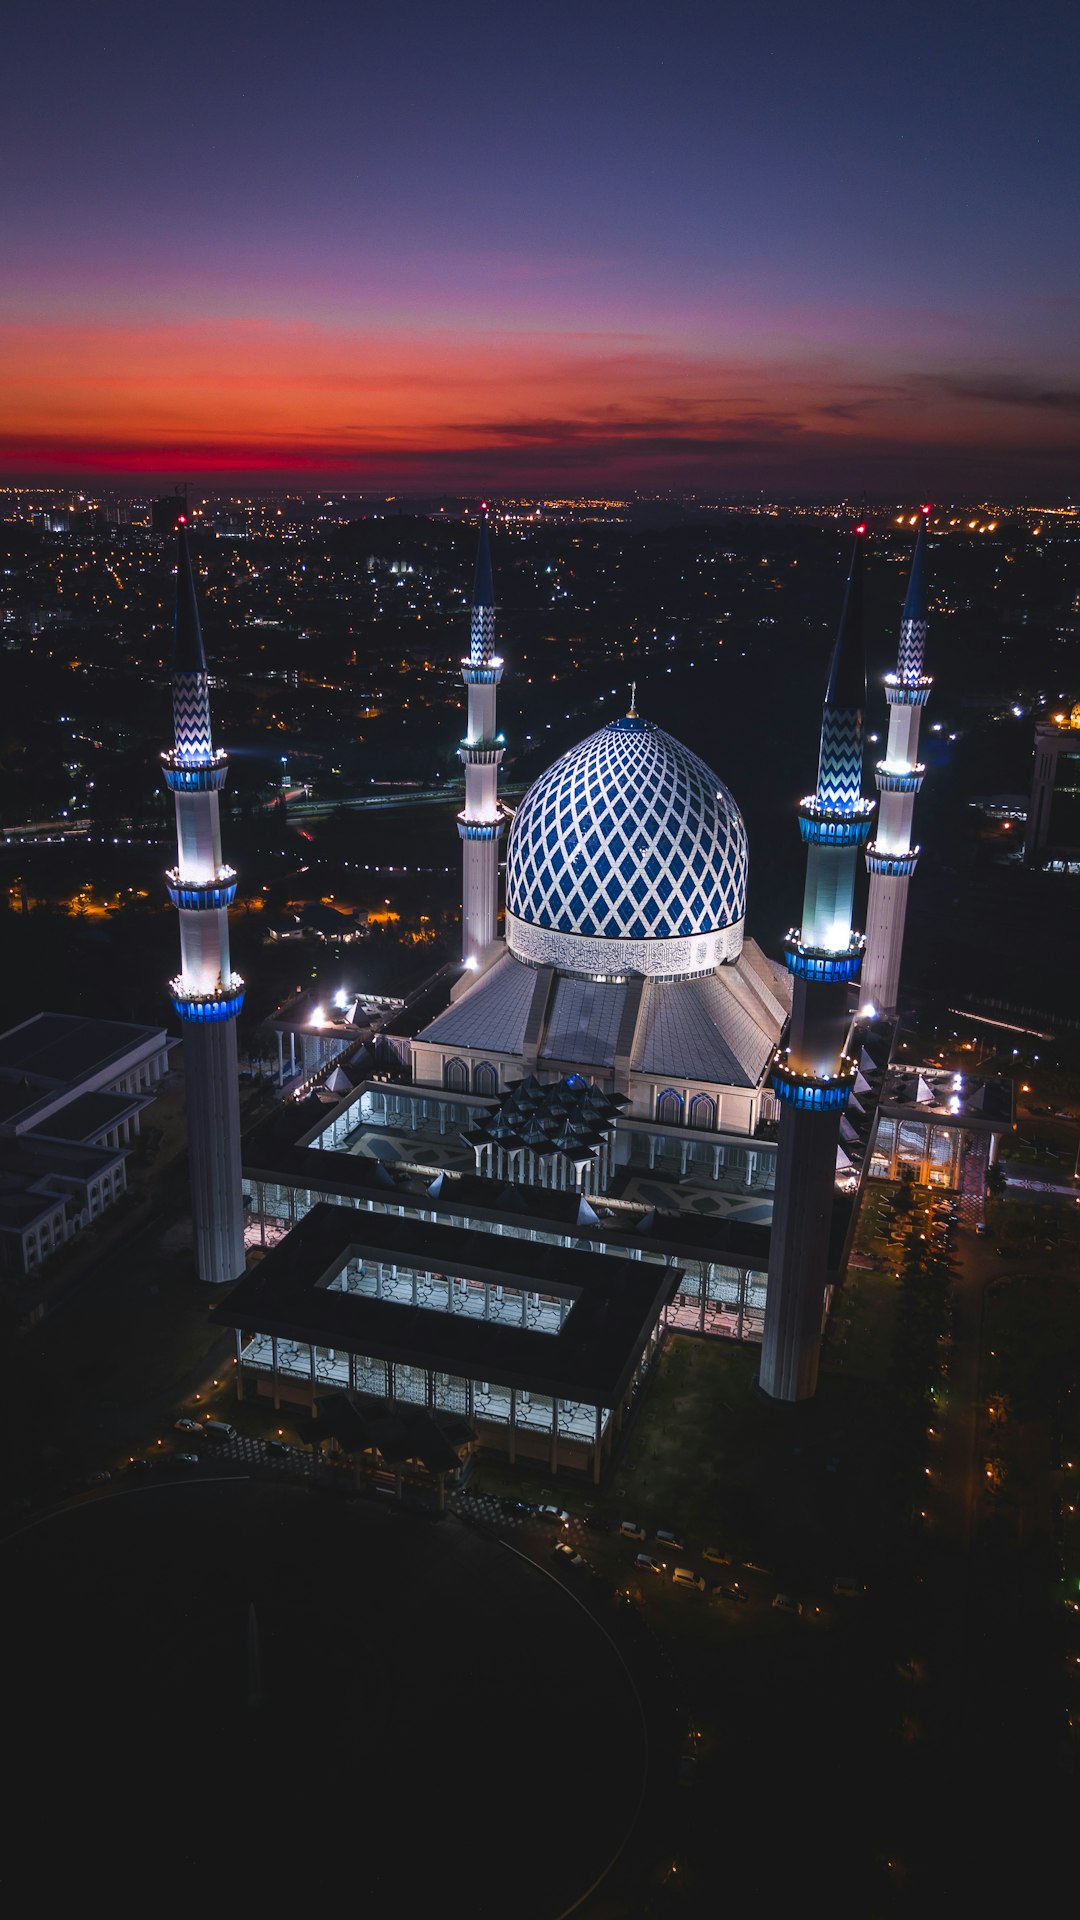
277 398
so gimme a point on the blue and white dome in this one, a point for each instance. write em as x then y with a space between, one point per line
627 856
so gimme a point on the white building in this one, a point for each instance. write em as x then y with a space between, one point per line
72 1093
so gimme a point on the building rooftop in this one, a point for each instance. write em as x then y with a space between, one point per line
616 1302
720 1027
948 1098
89 1115
53 1050
276 1151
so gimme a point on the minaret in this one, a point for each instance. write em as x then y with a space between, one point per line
891 857
813 1076
206 993
481 822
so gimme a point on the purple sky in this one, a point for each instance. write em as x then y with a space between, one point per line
803 248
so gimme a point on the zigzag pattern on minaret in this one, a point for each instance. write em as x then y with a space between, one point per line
840 770
482 637
191 715
912 650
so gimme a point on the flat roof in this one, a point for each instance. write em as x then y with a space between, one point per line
973 1101
88 1114
616 1303
53 1050
463 1196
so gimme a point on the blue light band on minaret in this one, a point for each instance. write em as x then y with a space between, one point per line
813 1075
891 858
481 822
206 994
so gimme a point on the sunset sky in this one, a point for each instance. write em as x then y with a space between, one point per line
798 248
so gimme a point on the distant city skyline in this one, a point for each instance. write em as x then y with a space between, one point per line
809 253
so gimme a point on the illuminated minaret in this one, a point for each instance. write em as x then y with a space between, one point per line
481 821
206 993
891 857
813 1076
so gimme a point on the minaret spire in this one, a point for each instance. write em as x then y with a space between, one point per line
206 994
481 822
891 858
813 1076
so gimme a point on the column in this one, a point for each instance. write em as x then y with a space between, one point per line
598 1446
554 1457
239 1340
513 1426
275 1376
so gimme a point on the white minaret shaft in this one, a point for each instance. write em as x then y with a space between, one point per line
481 822
206 994
813 1076
891 858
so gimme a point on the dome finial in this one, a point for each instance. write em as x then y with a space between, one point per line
632 714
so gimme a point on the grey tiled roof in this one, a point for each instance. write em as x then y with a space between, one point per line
492 1015
705 1030
583 1023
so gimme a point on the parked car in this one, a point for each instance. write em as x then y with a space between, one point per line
185 1425
686 1577
631 1531
670 1540
784 1603
184 1459
139 1466
566 1556
99 1478
734 1592
646 1564
558 1514
278 1446
718 1558
847 1587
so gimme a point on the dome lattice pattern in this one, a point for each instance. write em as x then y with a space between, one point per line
629 837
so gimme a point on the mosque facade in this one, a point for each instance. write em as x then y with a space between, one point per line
621 1116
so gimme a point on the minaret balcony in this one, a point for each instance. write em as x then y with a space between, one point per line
218 892
899 779
223 1002
479 829
482 673
823 826
891 866
195 773
823 965
812 1092
907 693
481 753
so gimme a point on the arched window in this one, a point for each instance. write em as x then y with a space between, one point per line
456 1076
485 1080
703 1113
669 1107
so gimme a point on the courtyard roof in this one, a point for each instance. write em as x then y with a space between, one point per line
616 1302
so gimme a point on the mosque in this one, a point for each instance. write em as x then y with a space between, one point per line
619 1116
625 956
